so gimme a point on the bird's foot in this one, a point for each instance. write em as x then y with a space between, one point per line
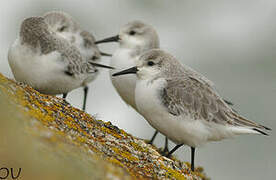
148 141
166 150
166 154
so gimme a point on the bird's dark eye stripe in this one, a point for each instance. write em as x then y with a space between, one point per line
62 28
150 63
68 73
95 57
132 32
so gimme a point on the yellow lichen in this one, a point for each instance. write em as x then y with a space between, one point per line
62 126
137 147
109 131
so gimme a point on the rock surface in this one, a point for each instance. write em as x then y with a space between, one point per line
49 139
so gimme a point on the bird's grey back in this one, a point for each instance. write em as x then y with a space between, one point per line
35 32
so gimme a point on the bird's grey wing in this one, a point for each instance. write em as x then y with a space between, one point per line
71 56
205 81
189 96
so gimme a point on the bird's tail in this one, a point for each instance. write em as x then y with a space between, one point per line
248 126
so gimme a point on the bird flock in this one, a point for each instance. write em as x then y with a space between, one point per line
54 55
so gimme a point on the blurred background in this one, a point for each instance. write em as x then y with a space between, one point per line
231 42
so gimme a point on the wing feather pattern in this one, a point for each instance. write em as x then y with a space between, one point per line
70 55
194 97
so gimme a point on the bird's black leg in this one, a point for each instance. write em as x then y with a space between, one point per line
173 150
193 158
85 89
153 137
64 95
166 147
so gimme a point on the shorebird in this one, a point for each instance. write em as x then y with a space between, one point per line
134 38
46 61
181 103
64 25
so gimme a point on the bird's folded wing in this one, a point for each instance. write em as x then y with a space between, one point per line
191 97
75 63
205 81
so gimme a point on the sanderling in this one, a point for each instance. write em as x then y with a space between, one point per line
46 61
135 38
64 25
181 103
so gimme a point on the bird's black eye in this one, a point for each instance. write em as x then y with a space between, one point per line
150 63
94 58
132 33
62 28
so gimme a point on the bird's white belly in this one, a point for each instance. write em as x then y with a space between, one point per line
45 73
125 84
179 129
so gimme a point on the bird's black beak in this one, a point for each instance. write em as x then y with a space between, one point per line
105 54
110 39
132 70
101 65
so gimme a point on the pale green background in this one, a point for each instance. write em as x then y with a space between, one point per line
231 42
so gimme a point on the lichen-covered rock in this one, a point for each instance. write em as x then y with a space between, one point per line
49 139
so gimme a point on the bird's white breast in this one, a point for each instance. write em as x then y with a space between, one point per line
125 84
45 73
